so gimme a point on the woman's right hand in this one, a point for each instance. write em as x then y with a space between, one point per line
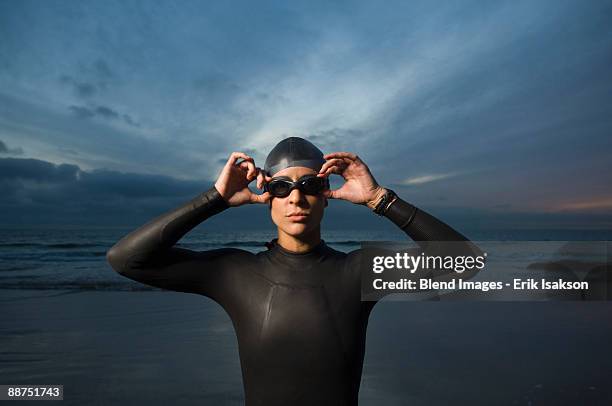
233 182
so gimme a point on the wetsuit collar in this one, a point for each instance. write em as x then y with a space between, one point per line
315 251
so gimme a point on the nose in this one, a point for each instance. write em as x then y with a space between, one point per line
295 196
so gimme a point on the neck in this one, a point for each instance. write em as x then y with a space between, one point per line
299 244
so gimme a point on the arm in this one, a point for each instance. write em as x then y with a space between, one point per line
419 225
360 187
422 226
147 254
433 236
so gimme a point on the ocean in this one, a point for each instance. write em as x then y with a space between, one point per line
74 258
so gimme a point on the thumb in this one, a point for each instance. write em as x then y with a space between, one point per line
331 194
262 198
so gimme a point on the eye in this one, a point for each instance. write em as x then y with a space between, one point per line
279 187
312 185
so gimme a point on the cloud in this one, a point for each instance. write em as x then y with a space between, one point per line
37 170
103 112
598 204
35 191
106 112
95 78
81 112
419 180
81 89
4 149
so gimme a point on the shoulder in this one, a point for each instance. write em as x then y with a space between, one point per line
227 252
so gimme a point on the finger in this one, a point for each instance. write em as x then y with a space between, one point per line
338 169
330 194
260 178
341 155
235 156
249 166
327 164
244 166
258 199
264 178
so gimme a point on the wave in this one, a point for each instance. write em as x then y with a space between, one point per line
235 243
55 245
76 285
347 242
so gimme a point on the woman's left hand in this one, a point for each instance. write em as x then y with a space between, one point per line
360 186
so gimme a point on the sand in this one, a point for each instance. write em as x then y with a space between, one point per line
175 348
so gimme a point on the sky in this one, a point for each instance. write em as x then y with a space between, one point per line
487 113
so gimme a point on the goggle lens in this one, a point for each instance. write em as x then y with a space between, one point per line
310 185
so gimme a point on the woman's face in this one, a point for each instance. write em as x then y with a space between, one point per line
284 209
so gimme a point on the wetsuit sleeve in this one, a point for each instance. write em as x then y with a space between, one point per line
148 255
420 225
431 234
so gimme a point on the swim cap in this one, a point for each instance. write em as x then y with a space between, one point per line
293 151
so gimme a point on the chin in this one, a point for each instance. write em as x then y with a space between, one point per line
298 229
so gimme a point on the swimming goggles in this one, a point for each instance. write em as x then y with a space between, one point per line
309 184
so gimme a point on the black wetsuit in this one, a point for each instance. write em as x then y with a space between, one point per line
299 317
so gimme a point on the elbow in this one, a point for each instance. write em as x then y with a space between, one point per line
115 259
475 250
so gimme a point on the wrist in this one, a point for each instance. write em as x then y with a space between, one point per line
214 195
380 193
388 198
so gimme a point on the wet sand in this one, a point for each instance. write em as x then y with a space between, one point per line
174 348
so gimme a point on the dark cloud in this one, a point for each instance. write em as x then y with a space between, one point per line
103 112
81 112
66 194
4 149
106 112
129 120
37 170
82 89
92 79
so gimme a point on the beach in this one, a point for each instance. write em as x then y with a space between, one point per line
159 347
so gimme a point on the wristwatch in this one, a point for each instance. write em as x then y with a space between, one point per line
383 205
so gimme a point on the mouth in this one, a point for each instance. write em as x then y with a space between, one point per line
298 216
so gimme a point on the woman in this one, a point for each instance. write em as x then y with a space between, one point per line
296 307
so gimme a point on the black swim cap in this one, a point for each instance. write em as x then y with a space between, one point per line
293 151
